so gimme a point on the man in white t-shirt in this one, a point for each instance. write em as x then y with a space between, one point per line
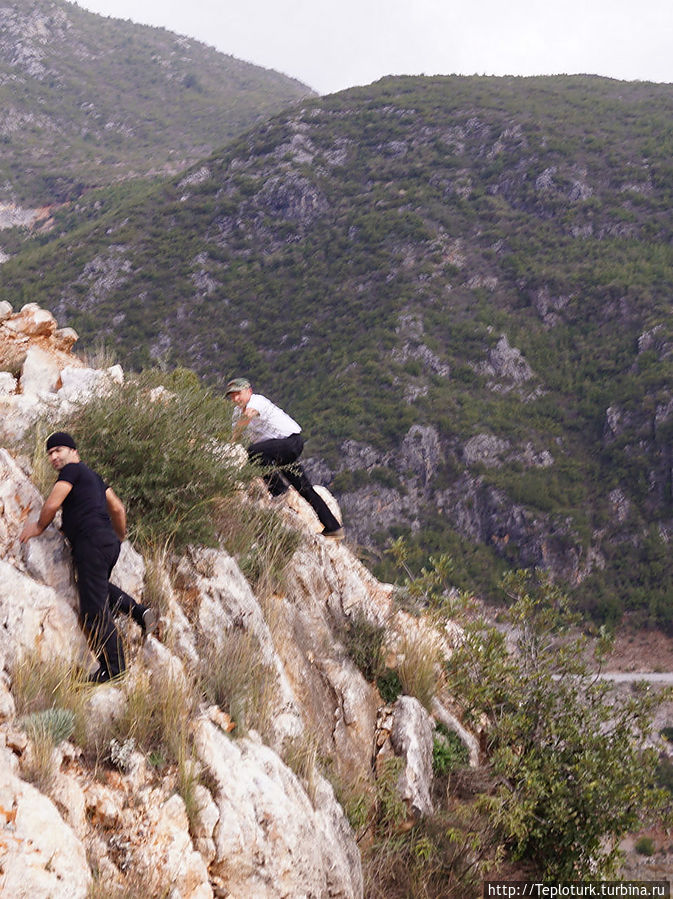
276 443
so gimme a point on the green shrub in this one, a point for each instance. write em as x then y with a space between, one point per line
664 774
645 846
444 856
54 724
163 454
389 684
565 754
448 751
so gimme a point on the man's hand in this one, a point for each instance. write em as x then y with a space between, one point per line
246 417
30 529
51 506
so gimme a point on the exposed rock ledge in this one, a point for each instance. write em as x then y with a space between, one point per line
260 830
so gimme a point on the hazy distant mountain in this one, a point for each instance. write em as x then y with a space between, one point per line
460 286
88 100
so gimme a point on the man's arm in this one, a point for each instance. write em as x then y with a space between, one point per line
51 506
117 513
243 422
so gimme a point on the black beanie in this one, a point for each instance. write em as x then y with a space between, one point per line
60 438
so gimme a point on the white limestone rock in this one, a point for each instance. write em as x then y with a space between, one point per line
40 855
129 572
226 601
80 384
18 412
33 618
40 373
7 706
168 848
354 716
304 512
69 798
206 821
45 558
270 841
8 383
162 663
32 321
63 339
411 738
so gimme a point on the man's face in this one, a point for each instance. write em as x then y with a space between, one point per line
61 455
240 397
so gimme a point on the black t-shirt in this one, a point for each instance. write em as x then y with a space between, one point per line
85 507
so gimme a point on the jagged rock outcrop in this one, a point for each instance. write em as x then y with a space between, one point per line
41 375
254 827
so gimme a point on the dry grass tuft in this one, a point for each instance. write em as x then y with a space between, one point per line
156 713
236 677
301 755
418 669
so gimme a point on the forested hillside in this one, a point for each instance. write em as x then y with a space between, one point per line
460 286
89 100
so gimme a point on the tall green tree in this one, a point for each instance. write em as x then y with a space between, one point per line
568 756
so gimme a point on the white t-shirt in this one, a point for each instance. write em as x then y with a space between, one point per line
271 422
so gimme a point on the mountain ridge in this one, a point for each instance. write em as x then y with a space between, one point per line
90 100
459 286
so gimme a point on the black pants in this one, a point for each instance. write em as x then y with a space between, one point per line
281 454
94 558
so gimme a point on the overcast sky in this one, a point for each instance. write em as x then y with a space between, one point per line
333 44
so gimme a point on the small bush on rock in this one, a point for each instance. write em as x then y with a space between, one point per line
163 449
448 751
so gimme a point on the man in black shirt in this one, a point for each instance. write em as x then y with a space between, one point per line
94 521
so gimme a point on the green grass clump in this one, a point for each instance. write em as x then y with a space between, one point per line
40 686
235 676
259 540
645 846
156 713
448 751
46 730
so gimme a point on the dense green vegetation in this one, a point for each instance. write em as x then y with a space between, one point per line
571 771
360 259
112 99
564 773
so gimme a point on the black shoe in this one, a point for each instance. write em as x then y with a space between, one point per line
102 676
150 622
336 534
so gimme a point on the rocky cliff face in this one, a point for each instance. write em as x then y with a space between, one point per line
256 823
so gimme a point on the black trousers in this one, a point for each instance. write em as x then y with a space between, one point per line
281 455
94 558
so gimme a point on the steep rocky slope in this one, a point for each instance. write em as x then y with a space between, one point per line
110 816
459 286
